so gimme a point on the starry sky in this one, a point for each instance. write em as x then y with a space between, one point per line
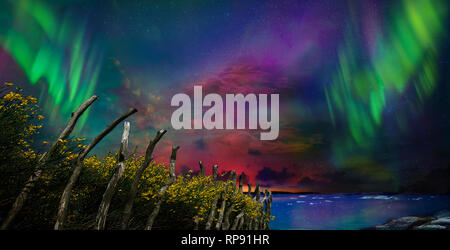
363 84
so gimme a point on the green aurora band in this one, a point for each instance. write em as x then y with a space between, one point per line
56 50
404 57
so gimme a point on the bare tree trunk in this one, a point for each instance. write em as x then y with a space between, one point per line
22 197
249 191
65 197
137 177
212 212
162 191
111 188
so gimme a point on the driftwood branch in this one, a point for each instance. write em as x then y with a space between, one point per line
163 190
137 177
65 197
111 188
21 198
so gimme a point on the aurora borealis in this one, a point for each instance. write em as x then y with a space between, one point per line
364 99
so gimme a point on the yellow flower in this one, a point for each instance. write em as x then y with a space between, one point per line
11 96
40 117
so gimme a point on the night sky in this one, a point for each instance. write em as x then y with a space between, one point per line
364 95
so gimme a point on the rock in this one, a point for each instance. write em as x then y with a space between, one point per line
404 223
438 224
443 214
444 222
430 227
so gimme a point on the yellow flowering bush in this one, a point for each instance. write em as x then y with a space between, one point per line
18 123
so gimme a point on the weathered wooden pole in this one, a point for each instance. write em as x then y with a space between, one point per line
249 193
214 172
202 173
257 196
250 224
262 223
22 197
65 197
269 208
241 223
241 178
163 190
202 169
237 220
226 224
212 212
224 200
111 188
137 177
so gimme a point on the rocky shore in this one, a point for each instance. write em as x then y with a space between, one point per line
439 221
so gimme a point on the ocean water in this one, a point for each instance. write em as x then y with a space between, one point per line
349 211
